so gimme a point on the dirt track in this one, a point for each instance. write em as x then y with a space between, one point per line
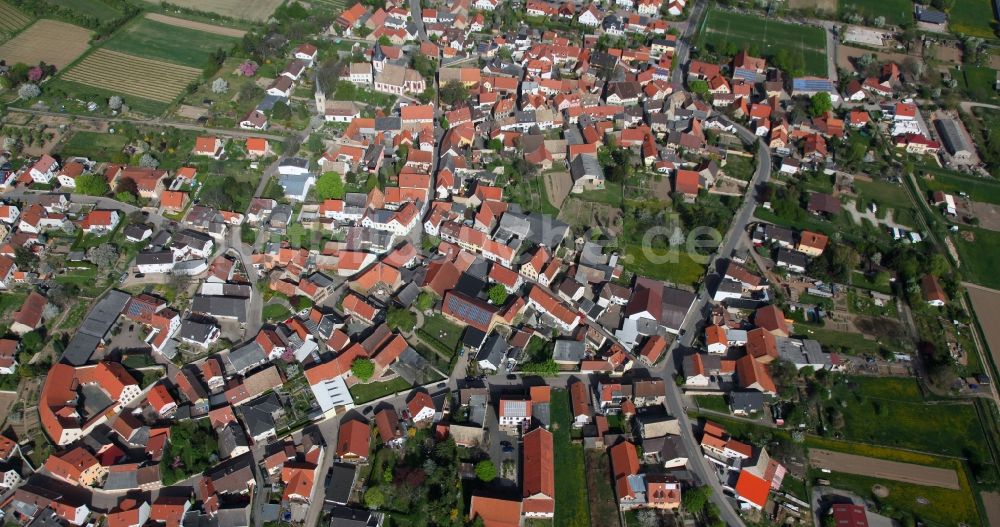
190 24
991 502
880 468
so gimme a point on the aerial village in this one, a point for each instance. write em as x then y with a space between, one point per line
419 311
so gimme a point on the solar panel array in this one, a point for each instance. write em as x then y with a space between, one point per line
468 311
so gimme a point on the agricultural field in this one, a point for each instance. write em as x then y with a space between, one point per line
892 412
896 12
972 17
256 11
722 27
984 302
977 82
102 11
200 26
36 44
11 20
157 40
132 76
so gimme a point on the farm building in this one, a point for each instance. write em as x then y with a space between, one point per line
956 141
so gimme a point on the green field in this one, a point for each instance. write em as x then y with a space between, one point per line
571 491
683 271
441 333
887 196
364 393
943 506
722 27
895 12
977 82
94 145
94 8
156 40
892 412
74 96
979 189
979 257
972 17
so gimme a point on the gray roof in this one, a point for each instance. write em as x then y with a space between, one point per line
412 367
244 357
195 331
749 402
953 137
154 257
802 352
341 480
585 165
231 437
221 306
95 327
569 350
493 350
351 517
259 414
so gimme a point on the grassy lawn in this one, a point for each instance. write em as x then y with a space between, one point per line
972 17
863 304
943 506
156 40
73 96
892 412
721 27
979 257
611 195
895 11
977 82
94 8
571 491
363 393
740 167
94 145
979 189
884 194
439 330
715 403
11 301
346 91
685 270
275 312
856 342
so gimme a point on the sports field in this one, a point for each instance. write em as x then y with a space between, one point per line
257 10
156 40
972 17
722 27
895 11
56 43
131 75
11 19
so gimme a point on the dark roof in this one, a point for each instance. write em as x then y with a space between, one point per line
341 479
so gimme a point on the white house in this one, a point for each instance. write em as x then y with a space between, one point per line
44 169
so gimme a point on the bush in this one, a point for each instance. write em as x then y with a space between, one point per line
486 471
363 369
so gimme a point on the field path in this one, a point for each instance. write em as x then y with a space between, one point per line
880 468
200 26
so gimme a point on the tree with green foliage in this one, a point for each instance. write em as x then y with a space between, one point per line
699 87
32 342
454 92
424 65
401 318
486 471
363 369
497 294
374 498
694 500
372 182
91 185
426 300
546 368
330 186
820 104
281 111
495 145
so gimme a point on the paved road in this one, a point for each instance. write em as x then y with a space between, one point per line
689 328
683 43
